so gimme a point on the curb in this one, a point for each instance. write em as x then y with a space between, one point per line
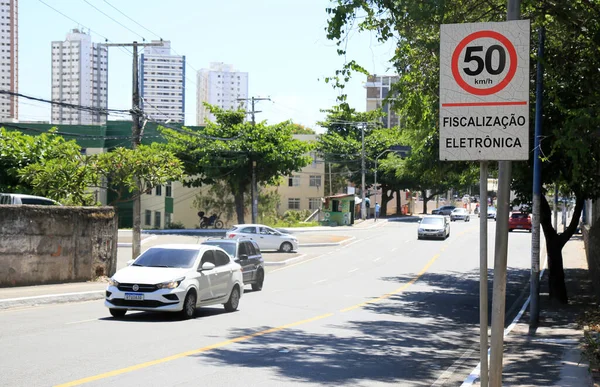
51 299
290 260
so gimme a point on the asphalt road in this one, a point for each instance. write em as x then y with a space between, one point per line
384 309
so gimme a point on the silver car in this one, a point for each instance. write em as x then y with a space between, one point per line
266 237
460 214
434 226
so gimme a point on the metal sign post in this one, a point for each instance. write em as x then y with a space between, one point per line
484 115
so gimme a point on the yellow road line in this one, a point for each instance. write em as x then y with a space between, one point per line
189 353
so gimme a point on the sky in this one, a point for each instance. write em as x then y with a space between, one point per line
282 45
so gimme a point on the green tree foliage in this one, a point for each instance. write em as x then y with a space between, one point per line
570 146
226 150
18 150
131 172
301 129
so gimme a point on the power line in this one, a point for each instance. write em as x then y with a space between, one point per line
111 18
65 104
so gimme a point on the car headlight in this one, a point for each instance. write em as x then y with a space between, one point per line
112 282
170 284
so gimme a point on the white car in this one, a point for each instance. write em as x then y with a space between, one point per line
460 214
266 237
434 226
176 278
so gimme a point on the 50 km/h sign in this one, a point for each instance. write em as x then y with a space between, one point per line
484 91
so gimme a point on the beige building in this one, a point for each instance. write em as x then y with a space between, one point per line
378 88
175 203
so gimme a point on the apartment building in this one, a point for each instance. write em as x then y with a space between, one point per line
162 83
378 88
79 77
219 85
9 59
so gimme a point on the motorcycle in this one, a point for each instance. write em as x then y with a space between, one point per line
214 220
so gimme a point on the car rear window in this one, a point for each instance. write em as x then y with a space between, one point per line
519 216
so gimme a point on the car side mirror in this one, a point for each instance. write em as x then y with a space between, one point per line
243 257
130 262
207 266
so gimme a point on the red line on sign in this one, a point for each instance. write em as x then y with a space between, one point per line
484 104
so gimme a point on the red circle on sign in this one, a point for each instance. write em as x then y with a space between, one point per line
511 70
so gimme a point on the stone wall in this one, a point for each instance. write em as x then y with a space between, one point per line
56 244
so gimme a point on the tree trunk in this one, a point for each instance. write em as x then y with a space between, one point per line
398 203
554 244
238 199
425 200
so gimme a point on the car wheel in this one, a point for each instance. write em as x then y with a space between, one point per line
234 299
189 305
286 247
117 313
260 278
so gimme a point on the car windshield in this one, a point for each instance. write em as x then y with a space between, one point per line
434 221
228 247
459 210
163 257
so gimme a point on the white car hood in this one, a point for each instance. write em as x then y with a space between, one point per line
148 275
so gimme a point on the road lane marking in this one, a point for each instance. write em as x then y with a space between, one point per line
394 292
320 281
376 259
353 270
299 263
81 322
394 249
190 353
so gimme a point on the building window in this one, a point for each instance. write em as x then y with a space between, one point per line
315 181
168 219
168 190
294 203
148 218
158 190
314 203
157 219
294 181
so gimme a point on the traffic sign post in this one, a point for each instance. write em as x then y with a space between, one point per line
484 115
484 91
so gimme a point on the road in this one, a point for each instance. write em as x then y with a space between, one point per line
384 309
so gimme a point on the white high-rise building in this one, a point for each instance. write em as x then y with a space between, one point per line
9 63
162 83
378 88
79 77
222 86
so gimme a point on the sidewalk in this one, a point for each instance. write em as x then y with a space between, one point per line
24 296
551 355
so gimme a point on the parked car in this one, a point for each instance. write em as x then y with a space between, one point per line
247 254
460 214
434 226
10 198
491 213
519 221
176 278
443 210
266 237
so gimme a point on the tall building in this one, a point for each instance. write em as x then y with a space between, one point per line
79 77
162 83
222 86
378 88
9 63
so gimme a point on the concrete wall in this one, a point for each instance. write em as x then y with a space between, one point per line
48 244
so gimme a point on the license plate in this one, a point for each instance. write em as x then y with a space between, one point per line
134 296
520 226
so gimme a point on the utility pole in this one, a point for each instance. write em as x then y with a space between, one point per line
136 115
330 189
363 206
501 249
534 306
254 186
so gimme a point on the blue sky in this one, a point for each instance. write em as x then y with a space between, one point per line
280 43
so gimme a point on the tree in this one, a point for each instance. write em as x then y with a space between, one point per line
301 129
226 150
18 150
570 148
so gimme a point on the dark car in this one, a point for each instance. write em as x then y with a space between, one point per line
247 254
443 210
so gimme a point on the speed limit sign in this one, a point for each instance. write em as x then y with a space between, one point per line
484 91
